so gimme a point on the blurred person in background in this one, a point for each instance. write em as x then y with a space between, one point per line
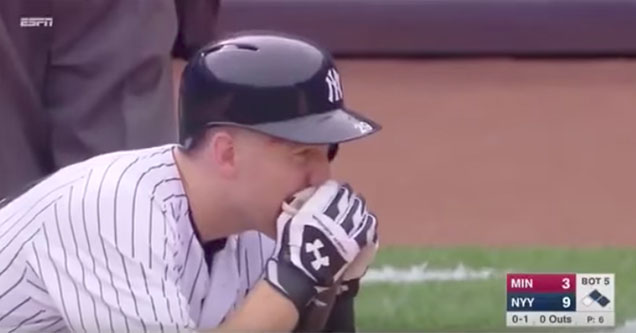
79 78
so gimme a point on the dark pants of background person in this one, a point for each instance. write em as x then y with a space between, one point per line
94 79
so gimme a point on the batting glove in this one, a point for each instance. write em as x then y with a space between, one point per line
319 235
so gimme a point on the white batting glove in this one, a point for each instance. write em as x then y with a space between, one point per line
319 235
358 268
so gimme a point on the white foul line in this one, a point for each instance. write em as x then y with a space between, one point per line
422 273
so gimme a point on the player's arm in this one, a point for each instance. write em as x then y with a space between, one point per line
342 315
264 309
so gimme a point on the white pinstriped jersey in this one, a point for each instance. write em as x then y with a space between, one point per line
108 245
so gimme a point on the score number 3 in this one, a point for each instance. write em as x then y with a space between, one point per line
566 283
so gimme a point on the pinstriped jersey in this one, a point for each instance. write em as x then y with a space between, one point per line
108 245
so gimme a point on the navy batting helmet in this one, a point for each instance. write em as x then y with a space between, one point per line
273 83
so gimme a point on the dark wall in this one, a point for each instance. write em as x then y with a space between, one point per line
447 27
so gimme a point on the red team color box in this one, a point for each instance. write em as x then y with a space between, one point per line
560 300
541 283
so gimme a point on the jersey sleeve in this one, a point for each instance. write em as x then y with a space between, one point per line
254 250
109 266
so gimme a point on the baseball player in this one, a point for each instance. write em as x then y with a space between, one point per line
237 227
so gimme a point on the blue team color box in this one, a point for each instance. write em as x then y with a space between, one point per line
541 302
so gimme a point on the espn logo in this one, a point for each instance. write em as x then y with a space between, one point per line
28 22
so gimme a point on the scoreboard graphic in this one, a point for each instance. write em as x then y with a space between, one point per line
559 300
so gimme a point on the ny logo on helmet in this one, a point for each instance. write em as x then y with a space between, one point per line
334 85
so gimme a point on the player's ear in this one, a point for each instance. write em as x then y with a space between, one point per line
224 153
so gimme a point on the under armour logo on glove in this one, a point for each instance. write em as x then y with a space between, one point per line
320 258
319 261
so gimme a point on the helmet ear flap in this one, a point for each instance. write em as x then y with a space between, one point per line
332 151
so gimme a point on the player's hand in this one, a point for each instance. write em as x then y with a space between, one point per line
356 270
318 239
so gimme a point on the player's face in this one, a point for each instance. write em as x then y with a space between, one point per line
273 171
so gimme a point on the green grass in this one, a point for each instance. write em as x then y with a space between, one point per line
479 306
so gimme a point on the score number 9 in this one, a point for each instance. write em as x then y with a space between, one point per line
566 302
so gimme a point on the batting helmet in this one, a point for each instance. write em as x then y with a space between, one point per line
273 83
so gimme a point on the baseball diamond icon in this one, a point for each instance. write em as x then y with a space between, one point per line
595 297
319 260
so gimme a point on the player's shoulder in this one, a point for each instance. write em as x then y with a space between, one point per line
103 176
130 160
134 172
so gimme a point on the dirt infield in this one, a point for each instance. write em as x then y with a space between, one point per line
496 152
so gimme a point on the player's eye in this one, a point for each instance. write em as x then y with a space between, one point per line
303 153
310 153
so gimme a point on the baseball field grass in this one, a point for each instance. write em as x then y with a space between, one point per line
471 295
